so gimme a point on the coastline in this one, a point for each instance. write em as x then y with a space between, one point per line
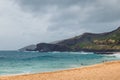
103 71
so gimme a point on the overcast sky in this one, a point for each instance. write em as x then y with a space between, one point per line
25 22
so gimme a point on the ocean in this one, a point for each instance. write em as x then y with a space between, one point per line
15 62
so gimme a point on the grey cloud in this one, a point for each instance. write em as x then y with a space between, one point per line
61 3
91 11
43 6
97 12
102 12
107 12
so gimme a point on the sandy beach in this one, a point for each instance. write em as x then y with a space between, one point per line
103 71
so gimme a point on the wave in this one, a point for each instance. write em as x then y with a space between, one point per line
27 57
117 55
87 52
1 57
45 57
80 52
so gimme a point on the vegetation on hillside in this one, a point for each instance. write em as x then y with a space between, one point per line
90 41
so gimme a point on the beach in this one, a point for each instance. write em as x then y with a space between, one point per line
103 71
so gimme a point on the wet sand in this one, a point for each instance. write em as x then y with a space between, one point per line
103 71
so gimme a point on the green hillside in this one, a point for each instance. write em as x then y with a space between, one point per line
90 41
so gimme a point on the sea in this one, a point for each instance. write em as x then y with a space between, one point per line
15 62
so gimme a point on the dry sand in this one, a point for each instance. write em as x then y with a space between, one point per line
104 71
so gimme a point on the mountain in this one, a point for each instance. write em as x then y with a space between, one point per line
90 42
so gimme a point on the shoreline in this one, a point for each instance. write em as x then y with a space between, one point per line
74 74
89 51
84 66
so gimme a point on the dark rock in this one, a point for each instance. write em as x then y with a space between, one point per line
46 47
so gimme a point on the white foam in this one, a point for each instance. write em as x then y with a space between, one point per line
81 52
117 55
86 52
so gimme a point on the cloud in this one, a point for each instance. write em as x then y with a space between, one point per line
25 22
105 11
75 13
17 28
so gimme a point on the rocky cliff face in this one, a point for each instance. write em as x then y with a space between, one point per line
45 47
103 42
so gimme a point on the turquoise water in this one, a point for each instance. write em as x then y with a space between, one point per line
14 62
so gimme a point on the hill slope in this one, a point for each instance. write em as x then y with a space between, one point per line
103 42
109 41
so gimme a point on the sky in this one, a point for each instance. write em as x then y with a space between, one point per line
26 22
